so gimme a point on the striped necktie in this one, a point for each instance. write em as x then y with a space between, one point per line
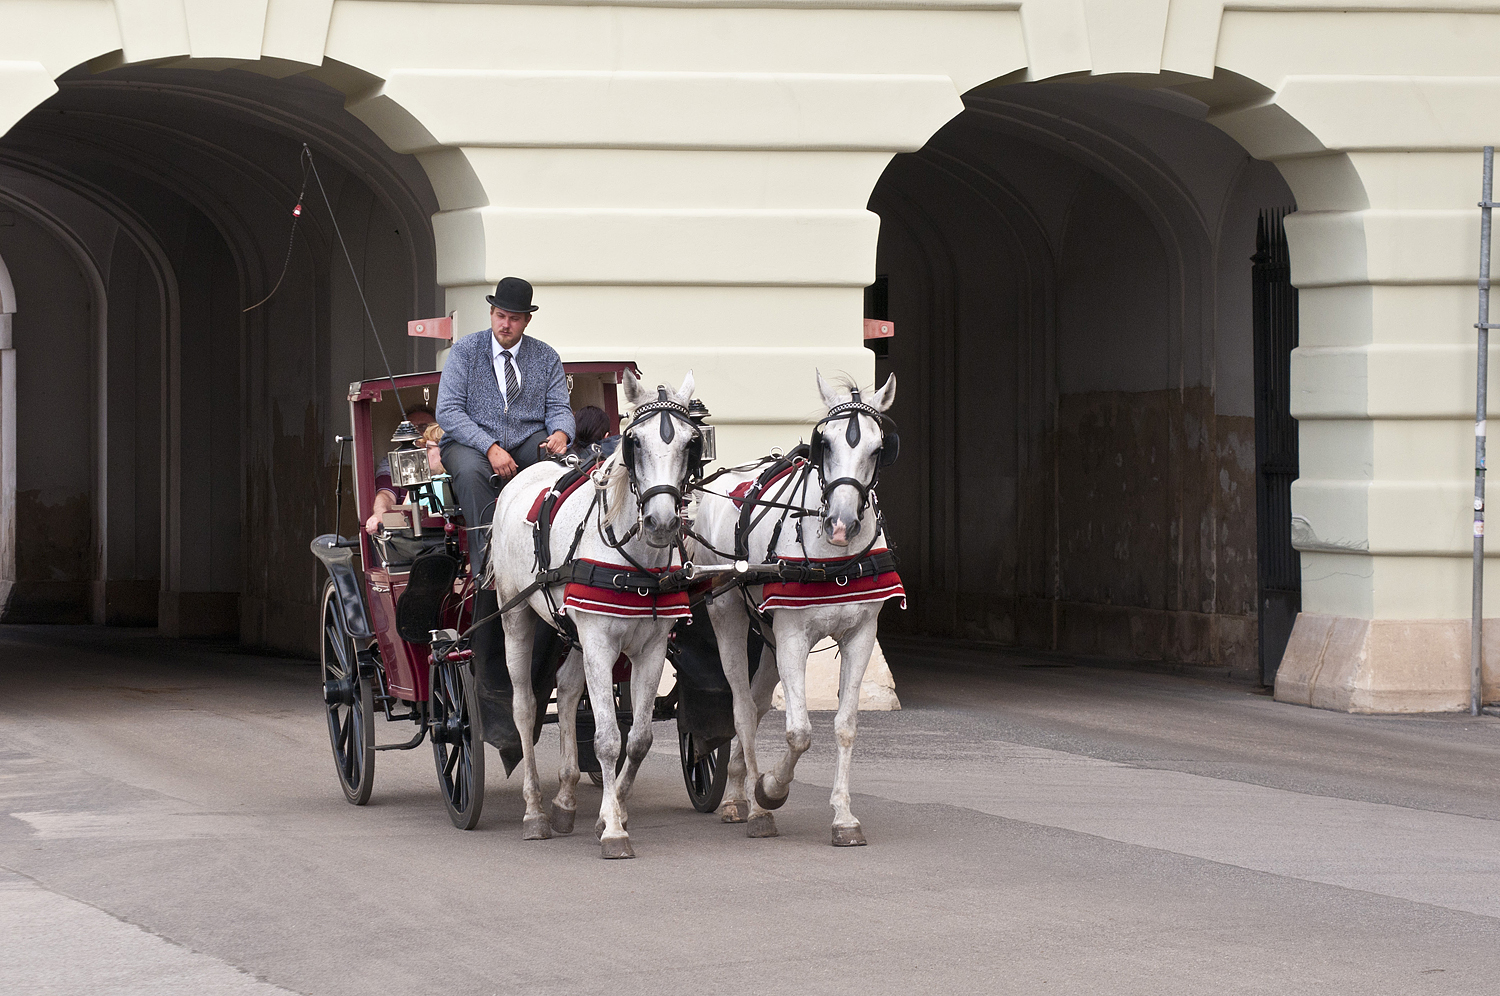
512 384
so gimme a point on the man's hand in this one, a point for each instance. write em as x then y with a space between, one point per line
501 462
557 443
372 523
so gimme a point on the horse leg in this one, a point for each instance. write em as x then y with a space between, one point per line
855 649
645 678
731 629
762 687
520 629
792 646
570 688
599 670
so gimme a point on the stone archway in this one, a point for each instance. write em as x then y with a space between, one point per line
1076 373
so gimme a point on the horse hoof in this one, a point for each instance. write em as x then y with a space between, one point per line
734 812
562 819
848 836
612 848
763 825
535 828
766 800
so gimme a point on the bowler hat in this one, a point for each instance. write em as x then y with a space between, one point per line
512 294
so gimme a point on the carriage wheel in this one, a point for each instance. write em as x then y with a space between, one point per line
704 774
350 705
457 742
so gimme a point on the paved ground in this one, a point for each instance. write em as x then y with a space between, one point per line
169 822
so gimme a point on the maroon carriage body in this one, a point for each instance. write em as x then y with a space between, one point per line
406 664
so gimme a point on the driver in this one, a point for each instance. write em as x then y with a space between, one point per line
502 402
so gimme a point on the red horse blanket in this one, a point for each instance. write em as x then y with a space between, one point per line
612 601
631 604
806 594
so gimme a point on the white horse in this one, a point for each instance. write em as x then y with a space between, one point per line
629 515
833 524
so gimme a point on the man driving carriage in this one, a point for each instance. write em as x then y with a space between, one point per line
503 400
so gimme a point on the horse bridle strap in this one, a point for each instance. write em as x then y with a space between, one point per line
851 410
668 410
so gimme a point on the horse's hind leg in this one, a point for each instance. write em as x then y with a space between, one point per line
570 688
855 649
520 629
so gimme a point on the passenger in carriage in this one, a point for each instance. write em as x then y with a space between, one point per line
502 402
387 494
593 429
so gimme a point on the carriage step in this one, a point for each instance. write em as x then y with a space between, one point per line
415 741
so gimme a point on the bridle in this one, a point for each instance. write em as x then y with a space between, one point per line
669 413
890 447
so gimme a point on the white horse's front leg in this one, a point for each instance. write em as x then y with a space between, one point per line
792 646
761 822
599 670
570 688
520 629
645 678
855 649
731 629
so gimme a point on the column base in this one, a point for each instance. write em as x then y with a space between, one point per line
198 614
1384 665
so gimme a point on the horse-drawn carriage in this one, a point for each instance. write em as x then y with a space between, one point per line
397 626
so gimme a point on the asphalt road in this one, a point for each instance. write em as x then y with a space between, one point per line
170 822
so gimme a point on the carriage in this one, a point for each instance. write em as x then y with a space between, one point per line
398 625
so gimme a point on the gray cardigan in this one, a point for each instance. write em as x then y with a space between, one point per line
471 409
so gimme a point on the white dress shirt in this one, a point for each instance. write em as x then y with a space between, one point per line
496 353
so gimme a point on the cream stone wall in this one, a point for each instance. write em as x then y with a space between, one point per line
687 185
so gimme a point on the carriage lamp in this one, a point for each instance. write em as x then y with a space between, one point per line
409 459
700 414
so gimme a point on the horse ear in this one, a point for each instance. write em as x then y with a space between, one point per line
635 394
830 396
886 396
686 391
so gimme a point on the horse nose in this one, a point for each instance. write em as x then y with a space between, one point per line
838 534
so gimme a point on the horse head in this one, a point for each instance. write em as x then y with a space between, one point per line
660 449
849 446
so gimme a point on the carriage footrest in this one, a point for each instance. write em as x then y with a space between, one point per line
415 741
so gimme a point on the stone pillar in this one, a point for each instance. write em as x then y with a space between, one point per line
1385 249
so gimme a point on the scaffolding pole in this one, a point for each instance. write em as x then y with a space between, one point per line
1476 626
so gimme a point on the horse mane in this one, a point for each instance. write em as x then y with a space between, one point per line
613 479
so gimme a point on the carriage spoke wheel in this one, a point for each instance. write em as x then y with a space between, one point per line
350 705
704 774
457 742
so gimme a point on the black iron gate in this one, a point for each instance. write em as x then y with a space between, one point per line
1279 572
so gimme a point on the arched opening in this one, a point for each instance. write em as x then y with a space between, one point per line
1068 267
183 444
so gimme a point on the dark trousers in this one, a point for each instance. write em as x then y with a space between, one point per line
476 492
477 495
